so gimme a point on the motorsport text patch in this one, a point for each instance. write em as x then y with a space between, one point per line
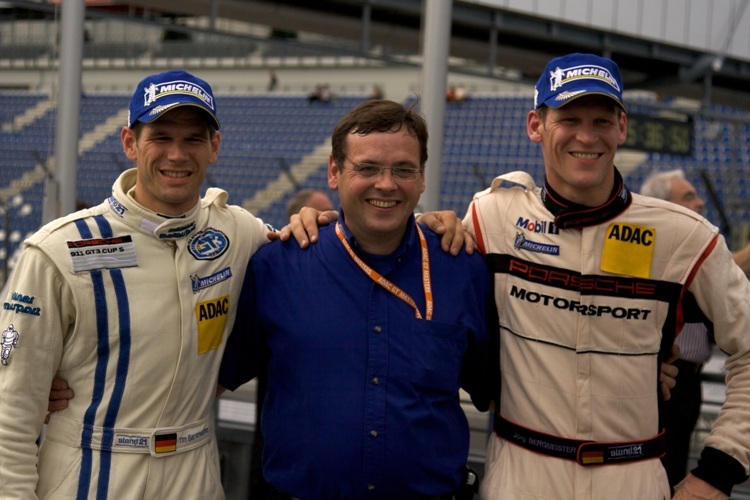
102 253
628 249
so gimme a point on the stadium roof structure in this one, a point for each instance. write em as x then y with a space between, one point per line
485 41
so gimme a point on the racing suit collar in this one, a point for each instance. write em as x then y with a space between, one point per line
569 215
135 215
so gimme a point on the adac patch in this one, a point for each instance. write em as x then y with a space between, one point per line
628 249
102 253
211 317
8 341
208 244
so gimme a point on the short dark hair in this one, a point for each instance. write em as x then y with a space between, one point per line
379 116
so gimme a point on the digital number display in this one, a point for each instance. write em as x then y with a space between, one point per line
660 135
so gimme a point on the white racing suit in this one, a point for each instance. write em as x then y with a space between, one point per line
133 310
587 299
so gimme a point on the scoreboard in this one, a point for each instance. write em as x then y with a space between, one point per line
660 135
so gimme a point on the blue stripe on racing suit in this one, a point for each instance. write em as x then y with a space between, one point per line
102 322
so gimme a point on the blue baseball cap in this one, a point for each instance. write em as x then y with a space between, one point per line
162 92
575 75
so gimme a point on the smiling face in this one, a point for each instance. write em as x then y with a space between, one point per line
171 156
579 141
378 208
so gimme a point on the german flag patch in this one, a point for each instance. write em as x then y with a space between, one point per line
165 443
592 457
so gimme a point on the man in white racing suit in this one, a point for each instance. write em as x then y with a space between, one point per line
131 301
590 282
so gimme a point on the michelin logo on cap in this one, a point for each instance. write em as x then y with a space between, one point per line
575 75
154 92
560 77
159 93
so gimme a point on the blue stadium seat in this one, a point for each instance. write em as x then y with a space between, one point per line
483 138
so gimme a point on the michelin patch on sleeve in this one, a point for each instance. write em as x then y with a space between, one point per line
211 317
628 249
8 341
102 253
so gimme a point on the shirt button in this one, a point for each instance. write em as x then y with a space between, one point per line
374 433
371 487
376 381
378 329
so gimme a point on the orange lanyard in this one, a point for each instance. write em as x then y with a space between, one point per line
382 281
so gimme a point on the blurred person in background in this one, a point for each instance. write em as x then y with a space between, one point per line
314 198
695 341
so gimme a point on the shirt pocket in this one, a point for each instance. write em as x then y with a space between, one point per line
436 351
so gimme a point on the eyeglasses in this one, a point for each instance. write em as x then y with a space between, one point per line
369 170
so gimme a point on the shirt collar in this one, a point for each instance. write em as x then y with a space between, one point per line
407 242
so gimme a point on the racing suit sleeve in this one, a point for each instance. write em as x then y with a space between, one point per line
38 306
722 291
472 225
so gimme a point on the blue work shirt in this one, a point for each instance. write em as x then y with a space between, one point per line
363 397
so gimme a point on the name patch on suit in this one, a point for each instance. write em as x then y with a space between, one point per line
628 249
211 317
102 253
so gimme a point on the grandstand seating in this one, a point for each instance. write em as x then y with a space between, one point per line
484 137
265 135
187 49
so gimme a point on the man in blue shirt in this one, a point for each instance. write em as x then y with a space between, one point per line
369 334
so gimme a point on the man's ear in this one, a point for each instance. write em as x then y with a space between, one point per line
533 126
623 124
215 142
333 173
127 137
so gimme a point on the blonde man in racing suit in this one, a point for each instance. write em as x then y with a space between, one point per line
131 301
589 283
